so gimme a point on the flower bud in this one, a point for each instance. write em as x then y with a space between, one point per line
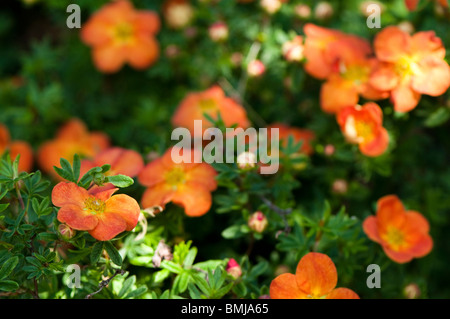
271 6
172 51
323 10
303 11
258 222
329 149
236 59
412 291
406 26
218 32
233 269
177 13
246 160
293 50
340 186
66 231
281 269
255 68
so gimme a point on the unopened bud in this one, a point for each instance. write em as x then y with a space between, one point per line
406 26
258 222
293 50
412 291
66 231
236 59
172 51
177 13
340 186
246 160
303 11
256 68
329 149
281 269
271 6
323 11
218 31
233 269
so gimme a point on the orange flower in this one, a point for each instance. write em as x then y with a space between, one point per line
363 125
298 135
402 234
411 66
15 148
186 184
321 49
104 216
120 34
315 278
211 102
349 78
412 4
73 138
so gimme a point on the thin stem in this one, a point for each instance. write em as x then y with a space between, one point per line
105 283
280 211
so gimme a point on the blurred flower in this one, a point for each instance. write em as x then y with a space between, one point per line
323 46
255 68
172 51
104 216
258 222
406 26
411 66
412 291
323 10
272 6
218 31
329 149
186 184
411 4
340 186
162 252
293 50
73 138
303 11
122 161
363 125
364 7
402 234
66 231
236 58
211 102
16 148
178 13
315 278
298 135
233 269
119 34
246 160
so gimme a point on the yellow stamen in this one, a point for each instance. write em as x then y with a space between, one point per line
175 177
123 33
207 104
94 205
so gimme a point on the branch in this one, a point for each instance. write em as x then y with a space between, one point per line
105 283
280 211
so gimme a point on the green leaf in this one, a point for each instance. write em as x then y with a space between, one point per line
8 285
76 167
127 285
113 253
184 279
189 260
171 266
96 252
8 267
232 232
438 117
121 181
136 293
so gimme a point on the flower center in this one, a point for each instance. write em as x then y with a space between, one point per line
207 104
175 177
363 129
94 205
406 66
357 130
123 32
355 73
395 238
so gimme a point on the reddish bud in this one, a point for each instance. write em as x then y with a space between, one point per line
258 222
233 269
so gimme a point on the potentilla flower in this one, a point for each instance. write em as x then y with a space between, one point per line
188 185
119 34
258 222
212 101
315 278
410 66
255 68
233 269
293 50
218 31
16 148
102 215
403 234
73 138
297 134
178 13
363 125
321 49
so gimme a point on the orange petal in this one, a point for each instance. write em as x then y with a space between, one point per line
153 173
433 78
103 194
126 207
4 137
68 194
390 212
411 4
74 129
400 257
158 195
342 293
76 217
316 274
384 77
143 53
194 198
99 141
203 174
26 155
404 98
336 94
285 287
233 113
109 226
370 227
122 161
427 44
109 58
391 44
147 22
377 146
